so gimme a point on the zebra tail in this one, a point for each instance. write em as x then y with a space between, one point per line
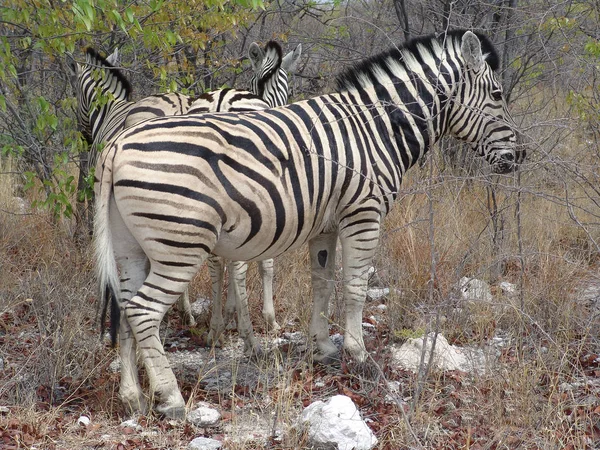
106 264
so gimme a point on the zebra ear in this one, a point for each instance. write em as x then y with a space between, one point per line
290 61
113 58
73 68
471 51
256 55
72 65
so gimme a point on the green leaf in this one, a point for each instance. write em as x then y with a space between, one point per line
129 14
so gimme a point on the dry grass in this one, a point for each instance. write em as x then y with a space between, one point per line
542 394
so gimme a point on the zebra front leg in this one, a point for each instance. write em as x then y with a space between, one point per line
217 324
322 260
265 268
237 283
359 240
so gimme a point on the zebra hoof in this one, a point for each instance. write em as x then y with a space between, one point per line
171 412
214 339
272 327
326 353
255 352
190 321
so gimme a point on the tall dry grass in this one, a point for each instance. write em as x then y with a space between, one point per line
539 232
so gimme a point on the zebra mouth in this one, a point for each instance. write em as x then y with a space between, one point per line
504 167
505 163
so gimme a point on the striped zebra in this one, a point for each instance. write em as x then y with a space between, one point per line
101 120
255 185
270 87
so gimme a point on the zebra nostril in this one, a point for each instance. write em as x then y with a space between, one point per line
509 157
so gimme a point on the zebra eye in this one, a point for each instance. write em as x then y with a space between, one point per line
497 95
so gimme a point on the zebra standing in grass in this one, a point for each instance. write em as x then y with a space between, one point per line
255 185
100 121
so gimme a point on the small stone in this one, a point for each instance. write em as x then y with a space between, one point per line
377 293
202 443
336 424
200 307
4 409
473 289
115 366
131 423
204 416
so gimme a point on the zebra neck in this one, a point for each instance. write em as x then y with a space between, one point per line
410 120
107 121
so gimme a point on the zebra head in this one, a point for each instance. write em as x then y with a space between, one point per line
270 79
478 113
96 83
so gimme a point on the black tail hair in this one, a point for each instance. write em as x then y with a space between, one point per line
115 315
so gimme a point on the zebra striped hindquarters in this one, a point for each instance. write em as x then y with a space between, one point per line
255 185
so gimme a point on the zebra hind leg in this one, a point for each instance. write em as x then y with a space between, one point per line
322 259
132 263
144 312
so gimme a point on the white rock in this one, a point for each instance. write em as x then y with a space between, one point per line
131 423
337 424
115 365
473 289
200 307
376 293
507 288
83 420
204 416
202 443
446 356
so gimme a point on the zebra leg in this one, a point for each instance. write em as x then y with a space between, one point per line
322 260
217 324
132 263
232 300
130 390
359 240
144 312
265 268
185 309
237 283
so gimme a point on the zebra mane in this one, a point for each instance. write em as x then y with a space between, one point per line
273 53
417 47
99 61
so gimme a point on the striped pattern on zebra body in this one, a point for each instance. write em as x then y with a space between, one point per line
269 88
100 124
255 185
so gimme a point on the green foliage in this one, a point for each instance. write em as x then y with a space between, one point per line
408 333
37 124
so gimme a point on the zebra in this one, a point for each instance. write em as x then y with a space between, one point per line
100 124
255 185
269 84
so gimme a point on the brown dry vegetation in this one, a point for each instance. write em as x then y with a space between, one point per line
56 368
